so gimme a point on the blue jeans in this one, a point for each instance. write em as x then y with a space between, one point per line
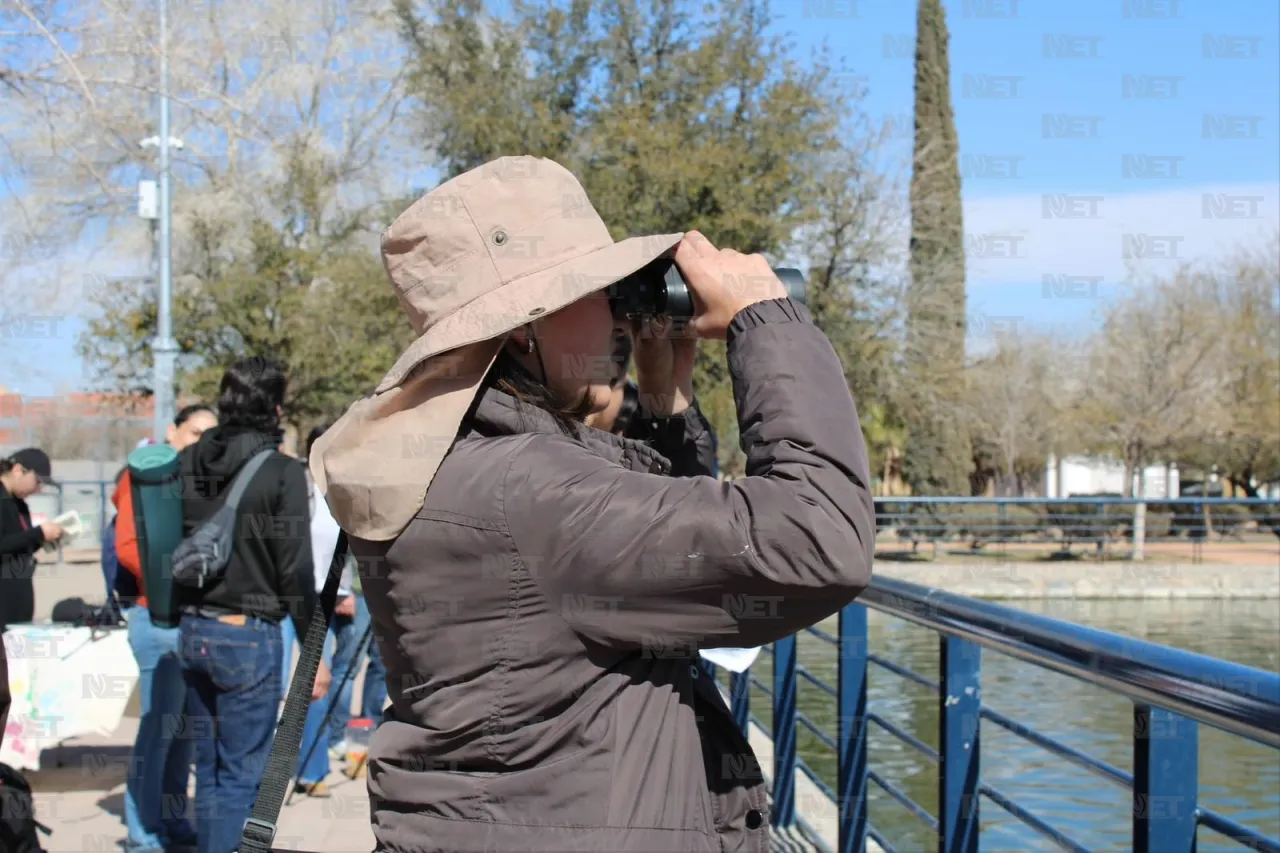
375 677
155 795
233 680
346 632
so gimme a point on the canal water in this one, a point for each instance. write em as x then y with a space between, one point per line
1238 778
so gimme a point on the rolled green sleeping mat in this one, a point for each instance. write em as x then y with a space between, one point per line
157 513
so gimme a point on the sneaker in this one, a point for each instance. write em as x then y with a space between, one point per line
319 790
338 751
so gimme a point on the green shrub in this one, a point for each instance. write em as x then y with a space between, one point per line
996 522
923 523
1089 522
1229 518
1159 524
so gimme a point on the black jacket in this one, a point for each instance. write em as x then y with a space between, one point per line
686 440
19 541
270 573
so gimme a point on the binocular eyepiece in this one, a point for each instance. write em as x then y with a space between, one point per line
659 290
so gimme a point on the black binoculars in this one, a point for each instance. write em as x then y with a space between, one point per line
659 290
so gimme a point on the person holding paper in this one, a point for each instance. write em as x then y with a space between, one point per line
22 475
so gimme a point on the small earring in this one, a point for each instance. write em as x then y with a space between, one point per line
528 346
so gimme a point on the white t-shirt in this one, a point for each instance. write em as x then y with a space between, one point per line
324 539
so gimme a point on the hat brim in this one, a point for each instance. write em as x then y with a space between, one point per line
531 296
375 464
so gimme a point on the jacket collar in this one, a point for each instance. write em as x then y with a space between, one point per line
499 413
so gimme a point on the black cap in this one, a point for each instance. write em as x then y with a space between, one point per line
35 460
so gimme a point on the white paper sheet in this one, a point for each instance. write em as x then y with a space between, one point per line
732 659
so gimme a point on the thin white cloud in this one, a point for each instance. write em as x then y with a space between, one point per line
1083 239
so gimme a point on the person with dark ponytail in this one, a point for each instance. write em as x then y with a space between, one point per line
230 628
22 475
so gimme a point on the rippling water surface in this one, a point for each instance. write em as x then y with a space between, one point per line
1238 778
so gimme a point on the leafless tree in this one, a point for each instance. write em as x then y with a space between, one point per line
288 111
1151 370
1012 409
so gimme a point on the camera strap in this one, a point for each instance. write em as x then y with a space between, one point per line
260 829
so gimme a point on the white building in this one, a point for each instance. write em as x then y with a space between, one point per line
1091 475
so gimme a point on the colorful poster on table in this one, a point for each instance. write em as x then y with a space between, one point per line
66 682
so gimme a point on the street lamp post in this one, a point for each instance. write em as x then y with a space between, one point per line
164 347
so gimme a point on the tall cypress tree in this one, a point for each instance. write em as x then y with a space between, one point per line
938 457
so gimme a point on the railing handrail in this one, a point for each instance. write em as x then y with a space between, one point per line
1030 499
1194 685
1081 499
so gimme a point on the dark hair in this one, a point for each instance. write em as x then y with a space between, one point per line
6 464
315 434
622 348
251 392
187 412
509 375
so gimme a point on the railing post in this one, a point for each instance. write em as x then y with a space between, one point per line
1139 531
852 738
959 723
784 733
740 699
1165 765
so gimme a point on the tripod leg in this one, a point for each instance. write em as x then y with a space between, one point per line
335 692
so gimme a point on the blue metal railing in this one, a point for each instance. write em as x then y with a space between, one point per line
1173 692
1037 527
1100 521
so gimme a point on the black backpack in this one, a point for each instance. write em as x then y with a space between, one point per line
18 824
201 559
82 614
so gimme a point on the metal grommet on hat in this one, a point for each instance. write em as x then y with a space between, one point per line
536 311
499 237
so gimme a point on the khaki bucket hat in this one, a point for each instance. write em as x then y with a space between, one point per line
480 255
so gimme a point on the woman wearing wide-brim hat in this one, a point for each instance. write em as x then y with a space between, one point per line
540 589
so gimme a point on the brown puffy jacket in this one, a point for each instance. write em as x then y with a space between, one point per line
541 615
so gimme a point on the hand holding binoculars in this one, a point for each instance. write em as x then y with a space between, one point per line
659 290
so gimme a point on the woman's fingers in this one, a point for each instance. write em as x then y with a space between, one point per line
695 242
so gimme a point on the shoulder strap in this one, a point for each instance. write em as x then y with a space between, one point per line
244 476
260 829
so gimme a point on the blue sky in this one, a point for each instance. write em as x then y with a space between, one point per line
1091 132
1126 87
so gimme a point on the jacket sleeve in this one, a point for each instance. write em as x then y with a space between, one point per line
686 439
5 697
22 542
291 547
126 532
636 560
